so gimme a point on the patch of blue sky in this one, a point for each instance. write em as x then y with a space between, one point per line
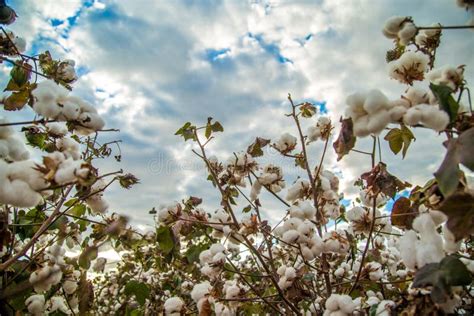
270 48
82 70
389 205
212 55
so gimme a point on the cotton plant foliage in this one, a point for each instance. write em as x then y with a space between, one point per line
330 254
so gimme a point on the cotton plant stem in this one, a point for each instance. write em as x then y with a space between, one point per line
448 27
229 209
319 214
40 231
372 226
28 122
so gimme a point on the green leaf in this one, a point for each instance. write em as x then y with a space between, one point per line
87 255
140 290
12 86
459 150
164 236
441 276
17 100
446 101
70 202
192 254
255 149
217 127
78 210
398 139
346 139
459 207
36 139
247 209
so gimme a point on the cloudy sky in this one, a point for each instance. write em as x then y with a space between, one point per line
149 66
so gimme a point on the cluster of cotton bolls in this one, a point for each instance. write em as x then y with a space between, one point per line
11 148
212 260
287 276
448 75
35 304
370 112
96 200
361 218
68 170
299 229
200 293
401 28
410 67
239 166
340 305
11 44
173 306
320 130
271 177
329 198
53 101
430 246
285 143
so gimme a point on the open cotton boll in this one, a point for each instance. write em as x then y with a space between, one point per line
16 149
360 126
18 193
416 96
378 121
57 129
434 118
69 147
375 101
407 33
47 94
408 246
396 113
393 25
173 305
200 290
286 142
69 171
35 304
411 66
355 104
412 116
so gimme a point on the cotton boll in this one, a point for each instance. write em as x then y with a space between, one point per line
98 205
296 211
57 129
285 143
393 25
434 118
355 104
378 121
407 33
396 113
416 96
70 286
424 224
293 223
409 67
375 101
35 304
173 305
450 245
360 126
346 304
385 307
408 247
18 193
332 303
200 290
5 131
291 236
430 250
355 214
69 147
255 191
216 248
16 149
412 116
70 110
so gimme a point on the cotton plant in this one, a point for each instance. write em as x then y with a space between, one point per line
49 185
